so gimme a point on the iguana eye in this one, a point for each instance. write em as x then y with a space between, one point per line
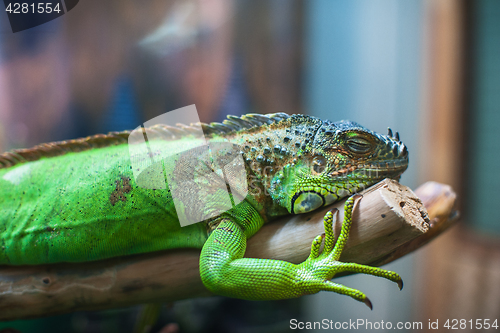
319 164
358 145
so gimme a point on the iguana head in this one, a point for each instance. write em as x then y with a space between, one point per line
339 159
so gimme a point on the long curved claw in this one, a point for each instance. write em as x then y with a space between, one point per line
368 303
400 284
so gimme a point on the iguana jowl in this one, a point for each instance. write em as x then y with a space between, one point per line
78 200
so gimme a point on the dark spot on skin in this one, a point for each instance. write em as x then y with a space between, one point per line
49 229
46 280
122 187
383 215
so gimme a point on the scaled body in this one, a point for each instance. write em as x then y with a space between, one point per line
79 200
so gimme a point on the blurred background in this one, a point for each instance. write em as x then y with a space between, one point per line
429 69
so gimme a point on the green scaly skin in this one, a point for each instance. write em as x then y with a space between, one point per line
78 201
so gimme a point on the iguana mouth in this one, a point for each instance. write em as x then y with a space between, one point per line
392 166
392 169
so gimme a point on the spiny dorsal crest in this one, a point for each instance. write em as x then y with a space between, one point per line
52 149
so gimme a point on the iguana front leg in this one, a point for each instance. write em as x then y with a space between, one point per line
224 271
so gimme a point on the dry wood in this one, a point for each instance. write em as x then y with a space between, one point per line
389 221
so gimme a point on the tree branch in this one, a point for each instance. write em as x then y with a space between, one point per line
389 222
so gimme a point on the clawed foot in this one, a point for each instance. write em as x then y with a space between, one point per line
320 268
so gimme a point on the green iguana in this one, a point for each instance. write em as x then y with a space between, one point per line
78 200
